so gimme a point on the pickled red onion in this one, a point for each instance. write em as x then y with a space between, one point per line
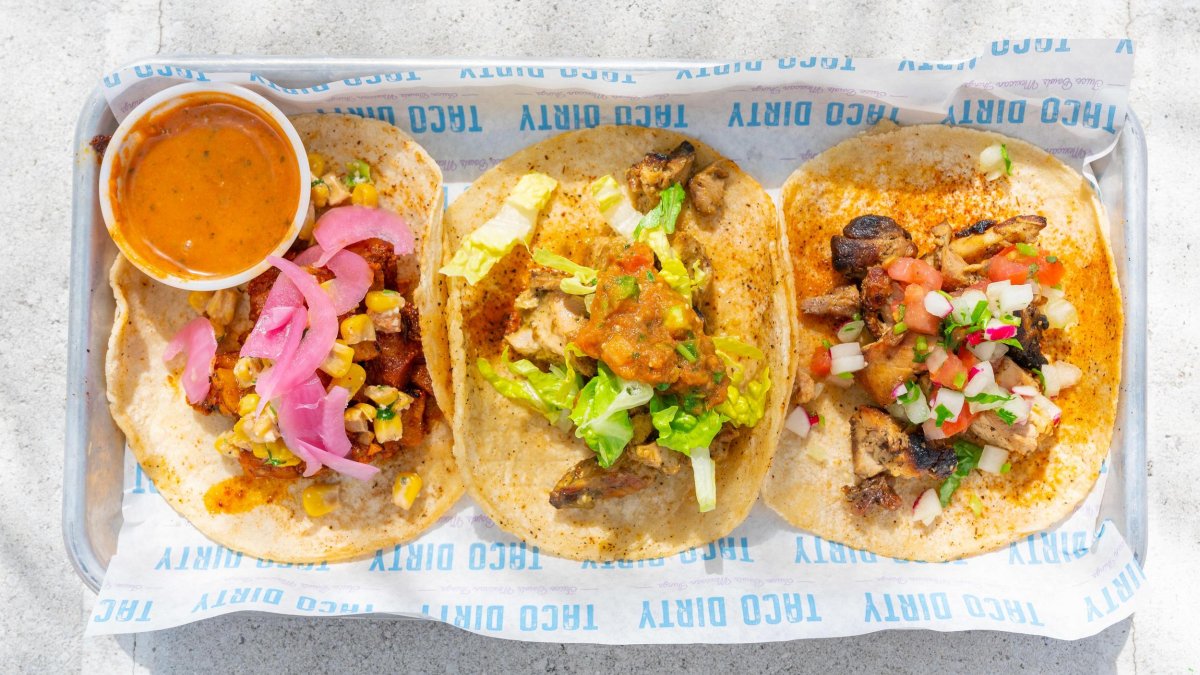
199 340
271 333
352 276
267 385
304 412
297 367
346 225
333 422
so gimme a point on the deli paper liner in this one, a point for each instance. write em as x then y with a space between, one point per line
766 581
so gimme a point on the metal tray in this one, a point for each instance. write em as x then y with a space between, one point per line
92 482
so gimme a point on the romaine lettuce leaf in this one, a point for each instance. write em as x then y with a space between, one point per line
513 224
681 431
615 206
704 474
582 280
663 216
746 408
601 413
551 394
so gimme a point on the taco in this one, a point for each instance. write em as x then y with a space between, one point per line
291 444
619 321
960 343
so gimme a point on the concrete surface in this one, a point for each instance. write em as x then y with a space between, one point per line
53 53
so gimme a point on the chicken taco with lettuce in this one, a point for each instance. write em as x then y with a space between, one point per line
960 346
295 418
619 324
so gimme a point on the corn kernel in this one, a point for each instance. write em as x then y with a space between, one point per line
365 194
246 371
226 446
388 426
382 394
340 358
316 163
356 422
353 380
405 489
357 328
318 500
382 301
275 453
198 300
337 191
247 404
319 195
367 409
222 306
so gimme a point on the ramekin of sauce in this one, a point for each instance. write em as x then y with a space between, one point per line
201 182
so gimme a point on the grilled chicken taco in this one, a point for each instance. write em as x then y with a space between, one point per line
960 343
620 331
303 424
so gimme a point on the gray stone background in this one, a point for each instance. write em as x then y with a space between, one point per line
51 55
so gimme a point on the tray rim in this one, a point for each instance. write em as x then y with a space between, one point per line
1131 144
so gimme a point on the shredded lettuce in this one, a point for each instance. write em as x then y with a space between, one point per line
551 394
582 280
704 473
736 347
663 216
681 431
615 205
601 413
513 224
746 408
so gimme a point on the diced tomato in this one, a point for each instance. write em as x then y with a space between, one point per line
951 371
636 258
915 316
967 357
822 363
914 271
965 417
1011 264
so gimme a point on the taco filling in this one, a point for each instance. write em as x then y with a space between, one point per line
616 348
318 360
947 344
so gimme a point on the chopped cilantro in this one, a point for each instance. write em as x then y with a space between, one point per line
1051 259
718 376
687 350
662 386
826 343
1011 342
943 413
968 458
988 398
1041 378
1008 416
315 182
385 413
911 393
980 313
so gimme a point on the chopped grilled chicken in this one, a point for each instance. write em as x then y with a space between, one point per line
548 321
657 172
878 292
888 364
658 458
872 493
707 187
1029 334
956 272
842 301
1020 439
804 389
878 444
986 238
587 482
224 392
1009 374
868 241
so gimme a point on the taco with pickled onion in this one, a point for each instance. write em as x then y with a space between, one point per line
960 345
296 418
619 322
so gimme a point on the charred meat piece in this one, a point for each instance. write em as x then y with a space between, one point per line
546 320
879 445
398 359
258 289
224 392
587 482
381 257
888 364
986 238
878 292
956 272
657 172
870 494
989 429
867 241
1029 334
842 302
707 188
413 419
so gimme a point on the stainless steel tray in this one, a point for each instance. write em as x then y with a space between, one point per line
92 479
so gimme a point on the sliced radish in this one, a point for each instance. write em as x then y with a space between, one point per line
798 422
981 377
965 304
937 304
998 330
927 507
952 400
1019 407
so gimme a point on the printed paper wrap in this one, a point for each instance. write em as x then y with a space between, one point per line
766 581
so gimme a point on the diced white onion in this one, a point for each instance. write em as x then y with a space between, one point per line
1067 374
982 378
937 357
850 331
1052 293
1015 298
992 459
1018 407
985 351
1025 390
927 507
896 409
937 304
965 304
848 364
932 431
1046 407
846 349
797 422
1061 313
953 401
994 390
917 411
993 291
